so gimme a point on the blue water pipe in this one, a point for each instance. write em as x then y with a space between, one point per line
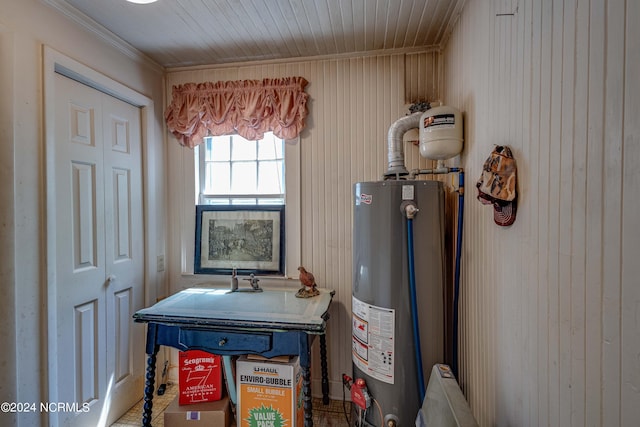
414 308
456 280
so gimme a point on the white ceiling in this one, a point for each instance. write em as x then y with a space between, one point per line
176 33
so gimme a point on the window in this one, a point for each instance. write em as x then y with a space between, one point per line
257 172
231 170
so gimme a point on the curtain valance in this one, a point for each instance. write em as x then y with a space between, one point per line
248 107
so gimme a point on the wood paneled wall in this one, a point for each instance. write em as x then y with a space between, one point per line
551 305
353 101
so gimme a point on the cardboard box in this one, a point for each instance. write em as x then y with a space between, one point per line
210 414
199 377
269 393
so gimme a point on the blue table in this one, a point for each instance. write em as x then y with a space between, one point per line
270 323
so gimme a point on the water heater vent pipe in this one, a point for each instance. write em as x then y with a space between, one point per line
397 130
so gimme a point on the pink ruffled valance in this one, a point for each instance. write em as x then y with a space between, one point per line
248 107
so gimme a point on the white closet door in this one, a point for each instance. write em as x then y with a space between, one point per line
99 254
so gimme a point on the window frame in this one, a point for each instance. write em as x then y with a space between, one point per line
188 196
201 197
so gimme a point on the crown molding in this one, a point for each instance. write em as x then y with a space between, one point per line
102 32
300 59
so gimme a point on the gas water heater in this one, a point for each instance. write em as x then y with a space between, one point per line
383 351
399 273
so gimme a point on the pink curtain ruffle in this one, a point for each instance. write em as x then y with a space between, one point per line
248 107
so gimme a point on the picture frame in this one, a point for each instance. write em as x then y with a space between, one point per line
247 238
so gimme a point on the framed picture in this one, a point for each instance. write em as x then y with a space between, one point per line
247 238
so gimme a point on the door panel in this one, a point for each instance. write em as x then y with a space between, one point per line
122 214
123 349
87 364
80 254
83 178
124 251
99 258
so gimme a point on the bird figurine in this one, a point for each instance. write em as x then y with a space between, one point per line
308 282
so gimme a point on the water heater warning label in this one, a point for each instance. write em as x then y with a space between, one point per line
373 340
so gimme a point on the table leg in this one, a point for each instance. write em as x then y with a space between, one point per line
306 390
149 387
325 374
304 344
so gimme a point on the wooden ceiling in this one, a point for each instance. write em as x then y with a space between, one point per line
179 33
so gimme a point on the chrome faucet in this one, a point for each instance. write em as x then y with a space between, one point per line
234 280
253 281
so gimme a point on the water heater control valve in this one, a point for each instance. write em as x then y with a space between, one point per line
360 395
409 209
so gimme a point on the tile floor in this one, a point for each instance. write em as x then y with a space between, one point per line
134 416
331 415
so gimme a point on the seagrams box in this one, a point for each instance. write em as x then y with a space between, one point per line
199 377
269 393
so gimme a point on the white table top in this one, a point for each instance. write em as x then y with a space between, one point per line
274 308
